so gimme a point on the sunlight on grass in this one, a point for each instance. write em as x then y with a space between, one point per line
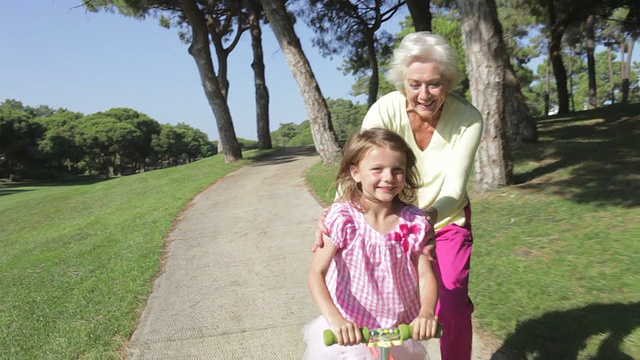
321 180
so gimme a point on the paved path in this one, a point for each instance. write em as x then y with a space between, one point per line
234 279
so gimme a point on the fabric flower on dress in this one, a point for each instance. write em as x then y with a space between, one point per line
403 233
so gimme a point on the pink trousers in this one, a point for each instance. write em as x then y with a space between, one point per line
453 257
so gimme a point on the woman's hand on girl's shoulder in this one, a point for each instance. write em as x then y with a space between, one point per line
321 231
429 242
347 332
430 235
429 249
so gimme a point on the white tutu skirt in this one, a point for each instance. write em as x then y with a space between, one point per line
316 350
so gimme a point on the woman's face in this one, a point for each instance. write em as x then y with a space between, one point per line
426 88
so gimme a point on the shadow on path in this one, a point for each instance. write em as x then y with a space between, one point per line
285 155
561 335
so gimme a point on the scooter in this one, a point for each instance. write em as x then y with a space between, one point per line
383 339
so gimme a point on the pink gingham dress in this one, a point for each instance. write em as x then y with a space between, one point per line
373 278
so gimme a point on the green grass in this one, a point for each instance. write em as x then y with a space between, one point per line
321 180
77 261
556 259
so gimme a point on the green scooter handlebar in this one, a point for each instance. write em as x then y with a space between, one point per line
405 330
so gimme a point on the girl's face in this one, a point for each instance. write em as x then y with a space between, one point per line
381 173
426 88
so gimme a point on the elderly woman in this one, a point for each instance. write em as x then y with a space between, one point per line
443 130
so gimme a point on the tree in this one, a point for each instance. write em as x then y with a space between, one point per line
317 110
559 17
254 9
147 126
346 116
303 135
170 145
556 31
16 137
353 28
420 13
59 146
485 56
284 134
108 142
590 43
214 90
196 144
203 22
44 143
520 124
221 15
620 37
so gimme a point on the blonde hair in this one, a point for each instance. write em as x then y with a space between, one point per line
357 147
424 45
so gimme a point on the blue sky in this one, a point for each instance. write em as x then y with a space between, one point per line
55 55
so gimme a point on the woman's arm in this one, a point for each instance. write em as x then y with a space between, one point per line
347 332
458 169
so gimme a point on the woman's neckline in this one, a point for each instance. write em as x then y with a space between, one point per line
441 111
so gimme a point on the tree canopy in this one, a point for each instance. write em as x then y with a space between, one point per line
40 142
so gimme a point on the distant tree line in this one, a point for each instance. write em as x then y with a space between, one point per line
45 143
345 115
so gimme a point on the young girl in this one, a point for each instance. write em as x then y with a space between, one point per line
373 272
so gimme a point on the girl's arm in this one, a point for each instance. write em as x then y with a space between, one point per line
426 323
347 333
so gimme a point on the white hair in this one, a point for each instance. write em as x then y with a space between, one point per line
424 45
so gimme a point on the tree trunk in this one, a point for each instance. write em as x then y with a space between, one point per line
219 32
262 92
570 79
625 65
374 80
560 73
547 86
624 78
522 127
317 109
591 61
223 64
612 80
201 53
485 56
420 14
